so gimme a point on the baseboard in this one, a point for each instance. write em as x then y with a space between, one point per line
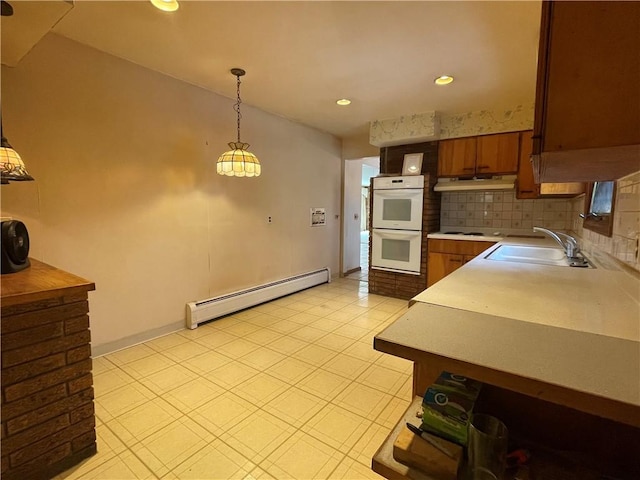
353 270
122 343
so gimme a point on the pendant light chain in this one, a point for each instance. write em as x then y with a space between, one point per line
237 108
238 162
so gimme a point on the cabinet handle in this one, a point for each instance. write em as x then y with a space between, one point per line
526 191
483 166
455 260
468 168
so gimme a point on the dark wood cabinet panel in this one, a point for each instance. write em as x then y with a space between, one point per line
442 264
457 157
498 154
446 256
587 97
479 156
526 186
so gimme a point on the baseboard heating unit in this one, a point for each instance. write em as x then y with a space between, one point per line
205 310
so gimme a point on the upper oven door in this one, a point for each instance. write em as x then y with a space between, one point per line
397 209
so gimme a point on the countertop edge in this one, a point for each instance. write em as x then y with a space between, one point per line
412 343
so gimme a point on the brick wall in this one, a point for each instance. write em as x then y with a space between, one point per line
401 285
48 420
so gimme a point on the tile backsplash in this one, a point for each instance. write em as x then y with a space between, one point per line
623 243
501 210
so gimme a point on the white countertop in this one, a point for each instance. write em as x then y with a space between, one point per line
575 328
603 300
588 363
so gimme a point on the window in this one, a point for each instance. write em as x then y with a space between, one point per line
599 205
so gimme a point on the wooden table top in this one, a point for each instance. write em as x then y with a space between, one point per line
38 282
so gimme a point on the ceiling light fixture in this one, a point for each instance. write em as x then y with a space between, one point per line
238 162
11 165
343 101
443 80
166 5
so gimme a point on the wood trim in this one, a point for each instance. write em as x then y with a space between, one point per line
41 281
587 165
464 247
599 406
542 82
353 270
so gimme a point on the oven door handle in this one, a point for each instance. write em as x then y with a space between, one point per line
397 233
409 192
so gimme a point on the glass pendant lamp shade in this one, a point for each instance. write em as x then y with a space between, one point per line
11 165
238 162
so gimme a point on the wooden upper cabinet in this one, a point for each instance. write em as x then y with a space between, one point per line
478 156
526 186
587 113
498 154
457 157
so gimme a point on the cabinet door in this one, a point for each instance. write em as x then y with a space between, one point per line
442 264
498 154
526 187
457 157
586 115
467 258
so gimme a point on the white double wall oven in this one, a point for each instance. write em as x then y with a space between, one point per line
396 217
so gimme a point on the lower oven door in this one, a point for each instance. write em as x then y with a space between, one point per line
396 250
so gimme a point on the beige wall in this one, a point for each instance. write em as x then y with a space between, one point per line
126 193
357 146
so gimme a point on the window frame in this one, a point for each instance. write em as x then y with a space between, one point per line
602 224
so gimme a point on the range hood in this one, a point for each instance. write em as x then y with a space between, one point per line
503 182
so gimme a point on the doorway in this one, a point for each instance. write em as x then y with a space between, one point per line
358 174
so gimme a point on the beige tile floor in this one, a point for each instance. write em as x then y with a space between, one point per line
291 389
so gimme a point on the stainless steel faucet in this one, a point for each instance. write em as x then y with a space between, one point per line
567 242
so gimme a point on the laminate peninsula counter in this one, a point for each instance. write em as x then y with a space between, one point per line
558 348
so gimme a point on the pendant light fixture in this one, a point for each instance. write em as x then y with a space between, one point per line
11 165
238 162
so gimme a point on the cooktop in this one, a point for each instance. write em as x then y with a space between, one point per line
477 234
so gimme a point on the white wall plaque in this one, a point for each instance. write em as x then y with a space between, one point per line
318 217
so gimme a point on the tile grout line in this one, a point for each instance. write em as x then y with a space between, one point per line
315 366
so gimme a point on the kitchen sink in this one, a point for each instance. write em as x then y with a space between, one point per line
531 254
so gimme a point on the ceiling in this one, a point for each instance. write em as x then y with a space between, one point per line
301 56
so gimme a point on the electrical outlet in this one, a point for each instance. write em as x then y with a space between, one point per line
269 220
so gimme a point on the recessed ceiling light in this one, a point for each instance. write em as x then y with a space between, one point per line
166 5
343 101
443 80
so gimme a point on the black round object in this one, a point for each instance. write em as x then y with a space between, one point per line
15 246
7 9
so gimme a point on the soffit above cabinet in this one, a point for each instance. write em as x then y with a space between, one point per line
29 23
